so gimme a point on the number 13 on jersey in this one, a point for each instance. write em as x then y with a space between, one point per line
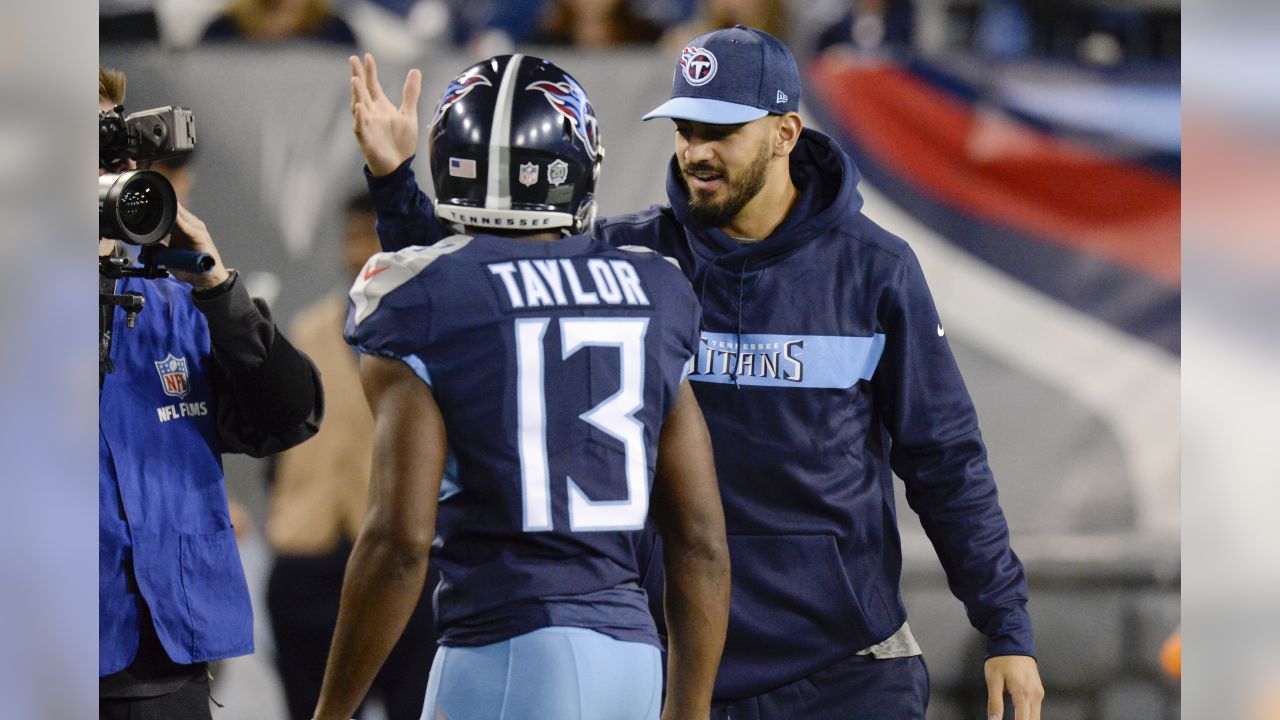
614 416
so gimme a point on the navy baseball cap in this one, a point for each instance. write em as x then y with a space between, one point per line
732 76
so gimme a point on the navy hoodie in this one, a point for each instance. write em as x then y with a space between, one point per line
824 369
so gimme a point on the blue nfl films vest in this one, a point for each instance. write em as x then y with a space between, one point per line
162 505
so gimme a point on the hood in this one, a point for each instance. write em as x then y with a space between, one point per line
827 181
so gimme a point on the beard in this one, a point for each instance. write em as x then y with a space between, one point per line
739 188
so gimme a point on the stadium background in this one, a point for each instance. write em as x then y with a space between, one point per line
1028 151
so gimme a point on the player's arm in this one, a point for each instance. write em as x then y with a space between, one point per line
939 453
388 139
388 565
686 508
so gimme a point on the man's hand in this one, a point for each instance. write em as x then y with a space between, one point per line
189 233
387 135
1019 676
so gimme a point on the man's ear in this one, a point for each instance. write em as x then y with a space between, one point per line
787 133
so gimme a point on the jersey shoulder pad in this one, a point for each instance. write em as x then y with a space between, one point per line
643 249
387 271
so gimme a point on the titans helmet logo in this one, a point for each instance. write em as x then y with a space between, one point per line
457 90
570 100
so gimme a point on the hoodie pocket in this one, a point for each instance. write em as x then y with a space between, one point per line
793 605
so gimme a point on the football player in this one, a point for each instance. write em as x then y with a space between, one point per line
531 409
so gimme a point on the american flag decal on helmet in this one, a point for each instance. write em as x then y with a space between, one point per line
457 90
570 100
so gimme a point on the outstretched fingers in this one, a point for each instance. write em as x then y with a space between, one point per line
371 77
412 91
358 91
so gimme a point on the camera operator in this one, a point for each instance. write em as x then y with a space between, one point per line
197 370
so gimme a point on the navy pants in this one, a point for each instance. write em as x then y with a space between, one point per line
856 688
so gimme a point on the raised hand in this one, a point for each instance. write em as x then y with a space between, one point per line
387 135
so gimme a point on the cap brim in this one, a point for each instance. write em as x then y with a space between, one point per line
704 110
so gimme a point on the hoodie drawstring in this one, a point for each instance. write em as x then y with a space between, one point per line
702 290
738 340
702 296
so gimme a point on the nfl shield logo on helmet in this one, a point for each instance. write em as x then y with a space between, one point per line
698 65
173 376
528 174
557 172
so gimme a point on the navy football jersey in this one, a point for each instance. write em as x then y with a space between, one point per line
554 364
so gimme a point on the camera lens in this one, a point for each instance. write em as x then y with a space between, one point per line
138 207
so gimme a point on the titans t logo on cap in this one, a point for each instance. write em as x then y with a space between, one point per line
698 65
732 76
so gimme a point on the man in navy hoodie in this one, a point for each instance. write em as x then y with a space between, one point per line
824 369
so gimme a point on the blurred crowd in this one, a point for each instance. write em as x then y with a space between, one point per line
1089 32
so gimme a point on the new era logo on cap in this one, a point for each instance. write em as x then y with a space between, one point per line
732 76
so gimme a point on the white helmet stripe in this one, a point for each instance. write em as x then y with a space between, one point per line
498 196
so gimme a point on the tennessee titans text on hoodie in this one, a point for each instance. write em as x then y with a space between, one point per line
823 370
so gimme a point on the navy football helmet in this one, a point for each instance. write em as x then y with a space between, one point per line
515 145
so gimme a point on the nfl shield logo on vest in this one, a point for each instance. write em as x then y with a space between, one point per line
528 174
173 376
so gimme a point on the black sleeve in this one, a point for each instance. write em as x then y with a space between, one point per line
269 393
